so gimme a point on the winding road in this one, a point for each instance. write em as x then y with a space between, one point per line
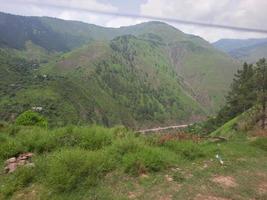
163 128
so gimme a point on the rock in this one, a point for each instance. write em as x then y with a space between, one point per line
168 178
22 160
176 169
10 160
225 181
25 156
144 176
12 167
131 195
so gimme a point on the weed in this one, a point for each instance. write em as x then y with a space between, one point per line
148 159
21 178
67 169
260 143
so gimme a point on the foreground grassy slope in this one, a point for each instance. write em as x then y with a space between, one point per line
244 122
99 163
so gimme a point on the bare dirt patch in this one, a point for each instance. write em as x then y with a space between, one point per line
168 197
225 181
262 188
208 197
260 133
136 193
261 175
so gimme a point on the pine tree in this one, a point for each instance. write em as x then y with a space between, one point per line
261 85
249 88
242 95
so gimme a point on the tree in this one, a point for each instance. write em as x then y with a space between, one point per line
242 94
261 86
30 118
249 88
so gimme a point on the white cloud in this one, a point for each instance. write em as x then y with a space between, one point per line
64 9
243 13
122 21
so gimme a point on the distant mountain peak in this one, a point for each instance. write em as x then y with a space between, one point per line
249 50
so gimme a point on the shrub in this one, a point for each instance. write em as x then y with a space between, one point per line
148 159
124 146
120 131
65 170
91 138
10 148
30 118
13 130
22 177
37 140
94 138
187 149
3 125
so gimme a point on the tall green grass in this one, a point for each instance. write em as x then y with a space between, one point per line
67 169
72 162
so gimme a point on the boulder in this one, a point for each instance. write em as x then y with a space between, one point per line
22 160
10 160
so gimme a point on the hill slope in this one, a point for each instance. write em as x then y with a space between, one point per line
150 72
128 82
91 162
249 50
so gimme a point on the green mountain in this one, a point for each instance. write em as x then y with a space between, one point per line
249 50
139 75
127 82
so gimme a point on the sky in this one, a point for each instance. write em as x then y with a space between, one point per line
242 13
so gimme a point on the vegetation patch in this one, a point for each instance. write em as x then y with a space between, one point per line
225 181
260 143
148 159
30 118
68 169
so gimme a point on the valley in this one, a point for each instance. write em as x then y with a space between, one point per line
142 112
138 76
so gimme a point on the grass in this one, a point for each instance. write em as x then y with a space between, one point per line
68 169
227 130
241 123
260 143
148 159
101 163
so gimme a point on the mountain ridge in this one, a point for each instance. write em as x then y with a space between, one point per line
247 50
137 75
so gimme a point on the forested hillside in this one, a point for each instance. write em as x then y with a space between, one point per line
137 76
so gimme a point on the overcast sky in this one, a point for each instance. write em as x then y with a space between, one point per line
243 13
